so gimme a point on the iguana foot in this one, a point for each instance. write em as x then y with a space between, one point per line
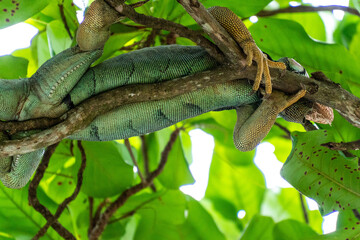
238 31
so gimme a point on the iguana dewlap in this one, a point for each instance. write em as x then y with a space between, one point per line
66 80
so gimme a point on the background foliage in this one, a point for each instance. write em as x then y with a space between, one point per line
235 183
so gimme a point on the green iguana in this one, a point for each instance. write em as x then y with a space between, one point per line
67 79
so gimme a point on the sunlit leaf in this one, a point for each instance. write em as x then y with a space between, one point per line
322 174
106 172
8 69
281 38
13 12
259 228
293 230
243 186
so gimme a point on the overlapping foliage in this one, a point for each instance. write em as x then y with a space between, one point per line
235 183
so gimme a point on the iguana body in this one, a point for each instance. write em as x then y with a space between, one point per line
66 80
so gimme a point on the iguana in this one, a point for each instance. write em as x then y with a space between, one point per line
67 79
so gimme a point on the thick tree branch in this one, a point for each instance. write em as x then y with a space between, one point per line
299 9
324 92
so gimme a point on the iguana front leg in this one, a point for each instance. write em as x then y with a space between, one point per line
238 31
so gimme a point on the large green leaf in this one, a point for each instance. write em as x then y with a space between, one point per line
286 205
200 222
346 30
13 67
322 174
243 186
259 228
60 174
58 37
160 219
282 38
106 172
17 218
176 171
293 230
15 11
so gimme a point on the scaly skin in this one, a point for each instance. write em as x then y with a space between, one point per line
66 80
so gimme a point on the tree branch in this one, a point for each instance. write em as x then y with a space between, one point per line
324 92
298 9
217 33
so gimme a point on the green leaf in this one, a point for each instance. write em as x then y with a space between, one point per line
355 43
115 42
176 171
26 54
13 12
106 173
346 30
259 228
160 218
322 174
53 11
281 38
348 227
17 218
242 8
311 22
201 223
59 38
243 186
276 205
13 67
60 174
292 230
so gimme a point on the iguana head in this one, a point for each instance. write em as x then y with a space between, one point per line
305 109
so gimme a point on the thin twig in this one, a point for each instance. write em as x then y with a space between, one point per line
97 215
145 154
63 205
343 146
287 131
303 208
299 9
34 201
104 219
63 18
160 23
128 146
91 217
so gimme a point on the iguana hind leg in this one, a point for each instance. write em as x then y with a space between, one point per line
253 124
